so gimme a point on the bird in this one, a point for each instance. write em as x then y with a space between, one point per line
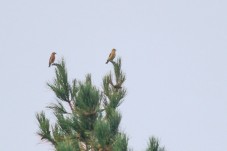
52 58
111 56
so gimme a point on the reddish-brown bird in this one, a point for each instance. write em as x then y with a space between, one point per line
111 56
52 58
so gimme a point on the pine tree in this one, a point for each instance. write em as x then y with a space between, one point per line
153 145
87 118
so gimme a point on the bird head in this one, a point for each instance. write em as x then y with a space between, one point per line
113 49
54 53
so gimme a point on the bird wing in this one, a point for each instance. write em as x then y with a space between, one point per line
52 58
111 56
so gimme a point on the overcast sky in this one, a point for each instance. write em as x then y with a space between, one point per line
173 53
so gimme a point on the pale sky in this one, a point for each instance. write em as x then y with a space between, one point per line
173 53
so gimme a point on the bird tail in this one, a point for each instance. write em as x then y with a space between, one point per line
49 64
107 61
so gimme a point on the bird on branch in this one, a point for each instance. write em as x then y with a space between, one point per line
52 58
111 56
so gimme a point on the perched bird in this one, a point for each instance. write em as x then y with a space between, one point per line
52 58
112 55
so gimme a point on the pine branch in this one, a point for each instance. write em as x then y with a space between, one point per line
114 120
68 145
153 145
102 133
93 124
119 75
55 64
116 86
121 143
58 108
65 123
61 87
88 98
44 126
73 91
106 82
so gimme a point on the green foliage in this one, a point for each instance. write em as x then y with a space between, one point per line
61 86
153 145
102 133
88 98
114 120
120 76
68 145
58 108
86 117
44 126
89 124
121 143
